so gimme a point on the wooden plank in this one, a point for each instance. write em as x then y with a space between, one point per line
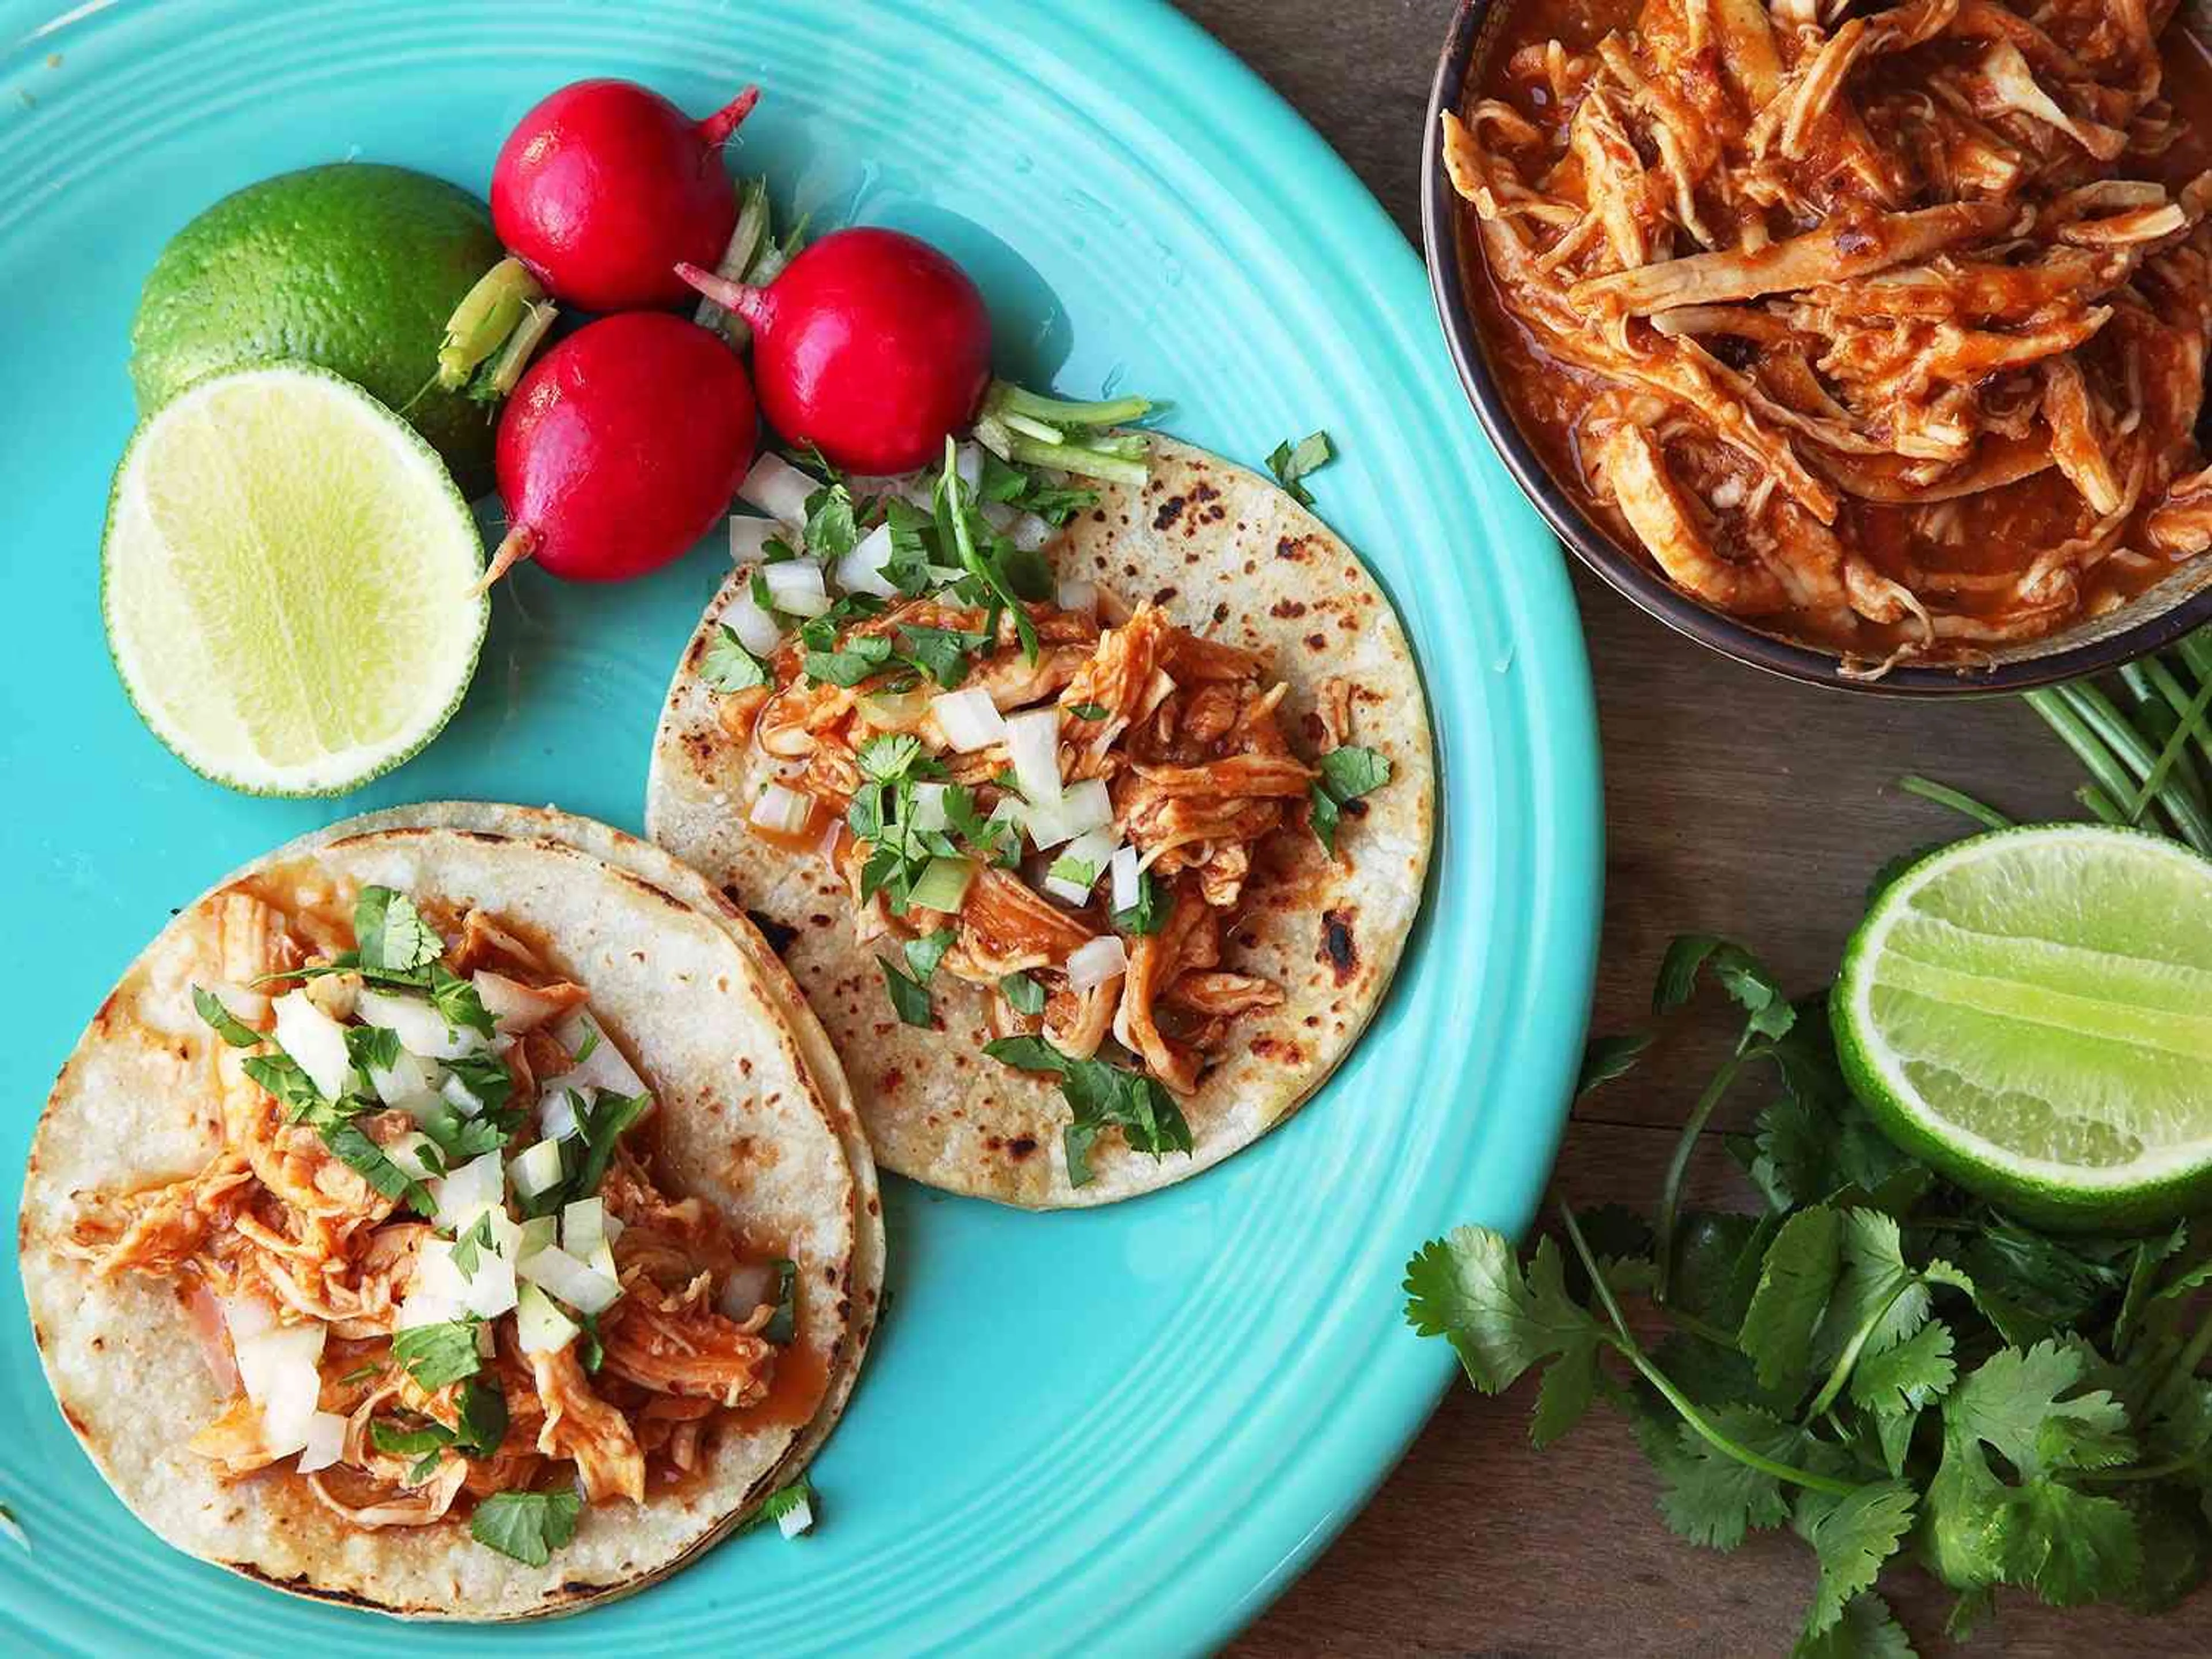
1737 803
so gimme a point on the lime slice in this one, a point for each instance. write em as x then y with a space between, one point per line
287 580
2031 1012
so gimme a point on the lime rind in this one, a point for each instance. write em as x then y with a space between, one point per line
349 766
2031 1012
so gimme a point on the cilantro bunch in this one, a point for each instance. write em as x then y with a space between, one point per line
1892 1368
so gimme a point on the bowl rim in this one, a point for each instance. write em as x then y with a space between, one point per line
1631 577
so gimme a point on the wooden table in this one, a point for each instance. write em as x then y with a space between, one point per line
1736 804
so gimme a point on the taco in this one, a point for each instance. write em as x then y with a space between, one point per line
1094 857
443 1216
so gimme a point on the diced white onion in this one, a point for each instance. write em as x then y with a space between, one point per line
1066 891
541 1327
278 1370
409 1083
467 1192
316 1040
537 1234
929 807
1078 596
603 1067
968 461
1031 532
1085 806
757 631
861 570
749 538
1095 848
536 1169
969 719
778 489
1033 744
997 515
512 1005
452 1089
556 1110
795 587
421 1028
407 1151
327 1433
583 1227
246 1316
799 1518
784 811
748 1286
1123 868
560 1276
1094 964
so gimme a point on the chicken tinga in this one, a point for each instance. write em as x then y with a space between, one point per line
453 1310
1885 325
1093 845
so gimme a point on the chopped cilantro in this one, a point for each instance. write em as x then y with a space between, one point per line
385 1434
1022 995
941 652
360 1374
1291 462
528 1525
1074 871
486 1078
923 954
850 664
589 1045
1150 909
1100 1095
1347 773
434 1355
889 755
728 666
468 1245
351 1144
481 1421
389 933
281 1075
831 530
373 1048
228 1026
1089 711
595 1352
598 1130
783 1324
910 999
458 1003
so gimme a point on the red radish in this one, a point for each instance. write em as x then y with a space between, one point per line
871 345
621 448
604 186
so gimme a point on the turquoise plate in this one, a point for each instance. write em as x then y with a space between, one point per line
1127 1429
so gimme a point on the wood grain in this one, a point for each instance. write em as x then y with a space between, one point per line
1735 803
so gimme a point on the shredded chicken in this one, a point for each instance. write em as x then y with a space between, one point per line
1796 266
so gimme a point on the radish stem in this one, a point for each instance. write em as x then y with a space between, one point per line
486 314
717 127
752 228
520 544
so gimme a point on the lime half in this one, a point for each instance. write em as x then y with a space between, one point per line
288 580
2031 1012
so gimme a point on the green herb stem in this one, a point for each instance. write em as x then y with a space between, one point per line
1006 398
1959 801
752 229
2100 804
1626 1345
2115 754
1840 1372
1678 1166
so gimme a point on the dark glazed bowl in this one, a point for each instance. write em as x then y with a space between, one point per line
2180 605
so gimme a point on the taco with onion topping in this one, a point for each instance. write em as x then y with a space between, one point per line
444 1216
1093 845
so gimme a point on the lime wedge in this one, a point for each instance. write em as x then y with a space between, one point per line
2031 1012
287 582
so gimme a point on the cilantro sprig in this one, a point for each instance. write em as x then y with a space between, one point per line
1347 773
1100 1095
1876 1358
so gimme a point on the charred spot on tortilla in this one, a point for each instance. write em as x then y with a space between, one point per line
1338 949
779 935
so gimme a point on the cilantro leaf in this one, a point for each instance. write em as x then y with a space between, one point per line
1866 1630
385 1434
1742 975
351 1144
728 666
434 1355
281 1076
1606 1059
923 954
1852 1537
940 652
1089 711
458 1003
1916 1373
783 1501
859 657
1324 815
910 999
1794 1282
528 1525
389 933
1468 1288
1711 1498
481 1419
1290 462
831 528
1022 995
889 755
595 1352
1350 771
469 1245
228 1026
372 1048
600 1130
